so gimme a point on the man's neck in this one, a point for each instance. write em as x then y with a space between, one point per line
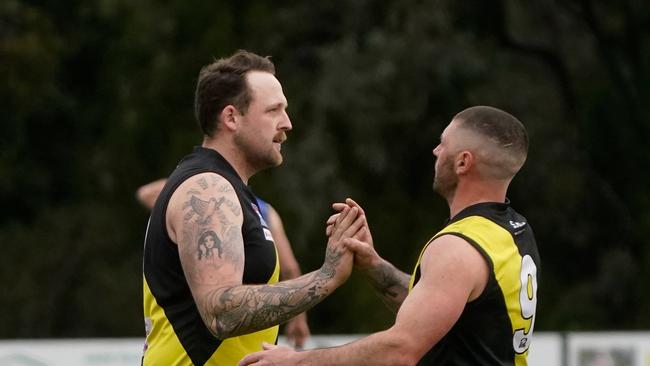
470 194
232 155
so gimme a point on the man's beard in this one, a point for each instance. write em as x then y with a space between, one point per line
256 157
445 181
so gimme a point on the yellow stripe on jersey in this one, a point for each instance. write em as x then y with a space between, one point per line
497 243
163 347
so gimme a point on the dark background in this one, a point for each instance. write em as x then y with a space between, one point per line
96 99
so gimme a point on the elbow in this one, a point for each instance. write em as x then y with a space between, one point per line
217 328
406 360
404 353
227 325
404 357
289 272
221 321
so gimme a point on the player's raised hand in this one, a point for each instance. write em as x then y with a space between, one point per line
361 243
338 259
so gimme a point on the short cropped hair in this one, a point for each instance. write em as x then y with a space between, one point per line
223 83
503 130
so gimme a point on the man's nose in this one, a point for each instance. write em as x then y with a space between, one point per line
286 122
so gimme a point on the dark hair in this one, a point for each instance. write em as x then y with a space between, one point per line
223 83
499 126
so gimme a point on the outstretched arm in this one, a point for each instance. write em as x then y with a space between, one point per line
453 273
204 218
148 193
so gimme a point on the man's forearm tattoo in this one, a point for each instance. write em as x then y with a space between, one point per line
390 283
332 260
244 309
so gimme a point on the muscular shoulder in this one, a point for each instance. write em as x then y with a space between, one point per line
451 260
204 199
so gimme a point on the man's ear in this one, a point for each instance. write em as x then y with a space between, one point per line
464 162
229 117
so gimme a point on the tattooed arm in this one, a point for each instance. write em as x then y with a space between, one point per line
454 273
204 218
390 283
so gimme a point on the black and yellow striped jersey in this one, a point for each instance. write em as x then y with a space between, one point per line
176 334
497 327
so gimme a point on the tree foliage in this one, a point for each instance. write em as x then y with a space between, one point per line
97 100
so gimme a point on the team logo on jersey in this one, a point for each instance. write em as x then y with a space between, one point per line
517 225
267 234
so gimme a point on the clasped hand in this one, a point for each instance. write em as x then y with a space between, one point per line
349 242
360 243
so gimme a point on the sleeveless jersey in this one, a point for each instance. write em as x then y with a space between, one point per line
497 327
176 334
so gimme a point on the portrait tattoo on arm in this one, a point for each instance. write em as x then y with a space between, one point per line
208 239
209 233
208 242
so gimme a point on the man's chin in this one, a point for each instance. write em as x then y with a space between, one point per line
270 163
445 192
278 160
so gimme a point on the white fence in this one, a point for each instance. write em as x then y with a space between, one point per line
547 349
